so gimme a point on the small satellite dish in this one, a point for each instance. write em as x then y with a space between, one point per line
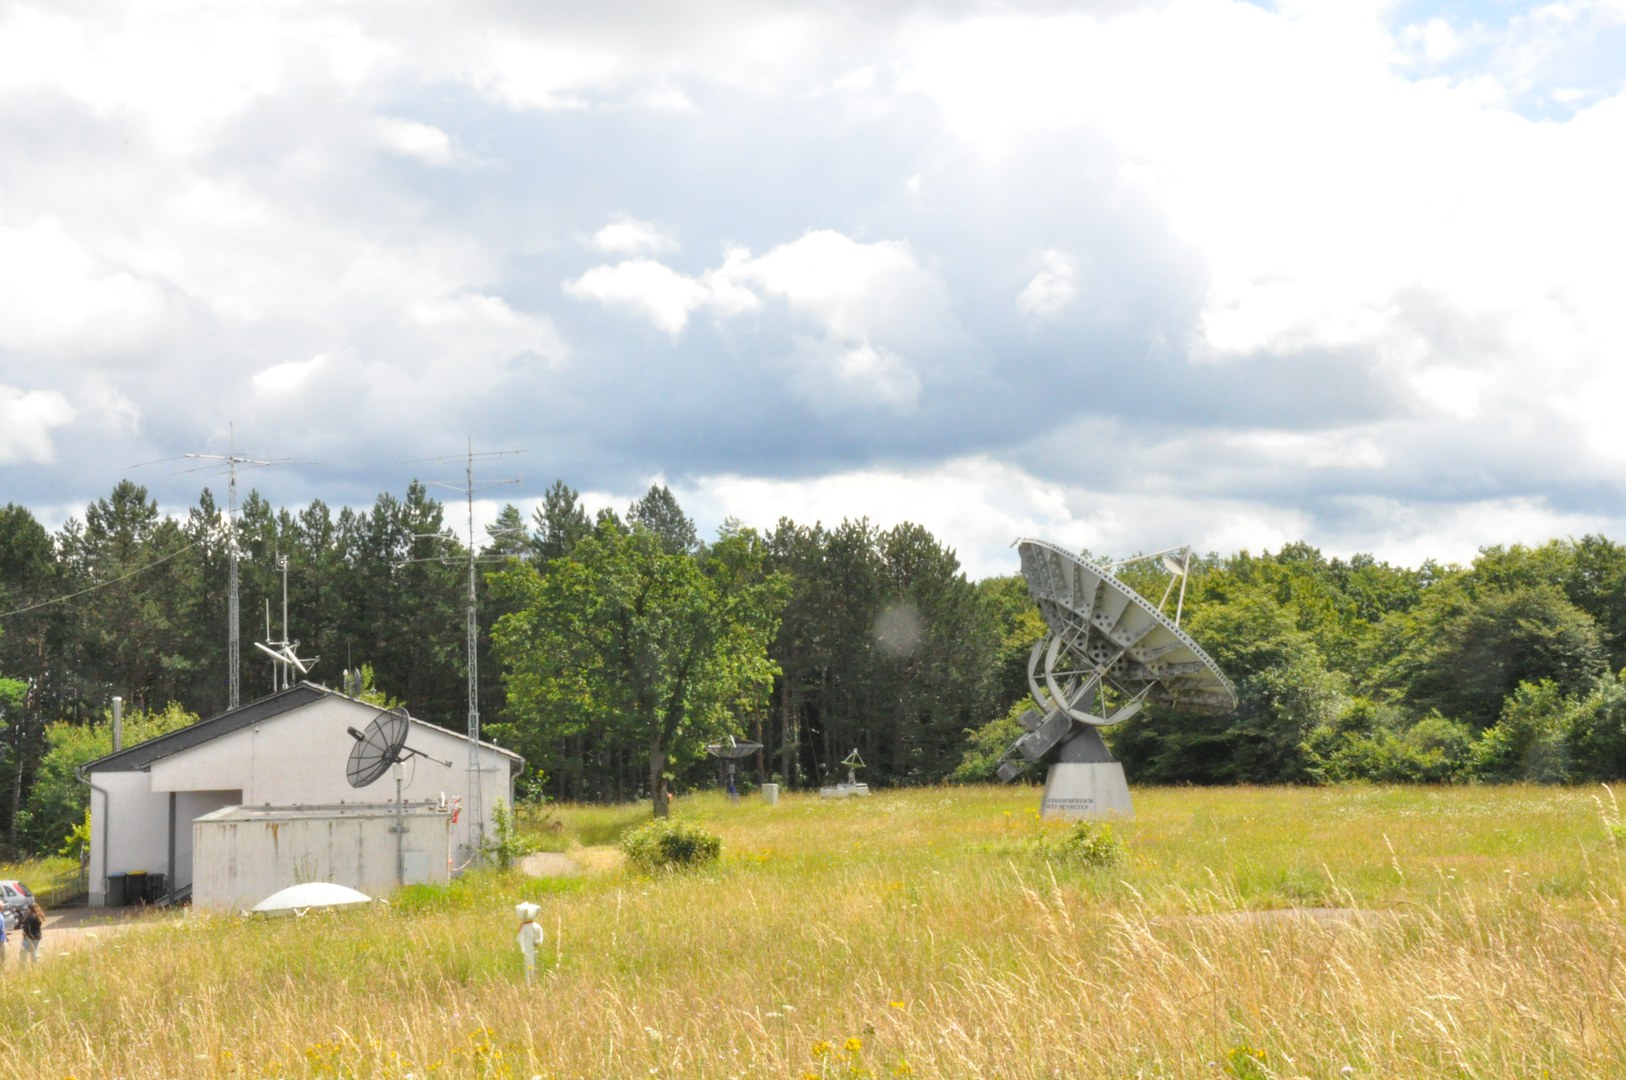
377 748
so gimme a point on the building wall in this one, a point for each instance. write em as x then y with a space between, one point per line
242 858
189 806
134 835
299 758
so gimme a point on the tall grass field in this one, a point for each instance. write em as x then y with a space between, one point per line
1256 933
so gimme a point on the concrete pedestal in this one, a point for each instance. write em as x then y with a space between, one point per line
1094 790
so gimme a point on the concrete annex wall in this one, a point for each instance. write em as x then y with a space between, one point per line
243 856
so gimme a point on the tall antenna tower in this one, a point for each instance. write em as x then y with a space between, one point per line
474 801
234 646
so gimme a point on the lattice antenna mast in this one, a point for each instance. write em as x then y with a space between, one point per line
474 802
234 645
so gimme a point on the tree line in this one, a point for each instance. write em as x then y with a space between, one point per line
616 646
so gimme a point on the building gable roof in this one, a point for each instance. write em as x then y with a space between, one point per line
140 757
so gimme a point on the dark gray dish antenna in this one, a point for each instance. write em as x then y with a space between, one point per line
377 748
383 744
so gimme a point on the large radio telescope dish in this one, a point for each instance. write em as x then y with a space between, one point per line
1107 653
377 748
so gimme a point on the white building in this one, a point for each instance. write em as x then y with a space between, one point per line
285 752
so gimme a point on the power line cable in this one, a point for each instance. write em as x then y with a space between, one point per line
101 584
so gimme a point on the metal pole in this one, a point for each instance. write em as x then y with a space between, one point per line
118 723
400 829
476 806
233 645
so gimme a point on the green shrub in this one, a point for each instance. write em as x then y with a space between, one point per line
1434 750
1087 844
667 844
506 844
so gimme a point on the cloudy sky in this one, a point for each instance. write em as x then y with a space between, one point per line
1121 275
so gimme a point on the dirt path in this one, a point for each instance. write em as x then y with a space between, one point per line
583 860
549 864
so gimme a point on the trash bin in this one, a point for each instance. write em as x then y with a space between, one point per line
770 794
155 888
117 896
135 887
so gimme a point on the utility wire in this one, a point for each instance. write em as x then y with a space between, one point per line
101 584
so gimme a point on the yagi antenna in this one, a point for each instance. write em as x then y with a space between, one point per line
230 461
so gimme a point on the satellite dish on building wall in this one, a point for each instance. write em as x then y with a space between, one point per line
377 748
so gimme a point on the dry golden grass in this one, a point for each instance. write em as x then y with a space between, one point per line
1250 932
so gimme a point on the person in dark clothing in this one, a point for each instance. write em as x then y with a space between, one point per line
33 929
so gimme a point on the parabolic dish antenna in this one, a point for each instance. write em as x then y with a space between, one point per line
377 748
733 749
1103 634
1107 652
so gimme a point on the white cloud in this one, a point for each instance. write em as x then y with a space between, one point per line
629 236
181 69
659 293
1331 449
58 295
1052 288
544 73
1256 529
1436 39
975 504
26 420
852 290
474 331
288 377
862 302
882 373
838 376
1407 533
191 193
410 138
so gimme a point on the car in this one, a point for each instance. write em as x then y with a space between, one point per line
14 900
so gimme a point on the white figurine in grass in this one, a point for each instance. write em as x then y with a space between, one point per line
530 936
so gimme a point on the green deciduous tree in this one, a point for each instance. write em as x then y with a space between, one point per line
58 800
1286 693
627 639
1472 648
